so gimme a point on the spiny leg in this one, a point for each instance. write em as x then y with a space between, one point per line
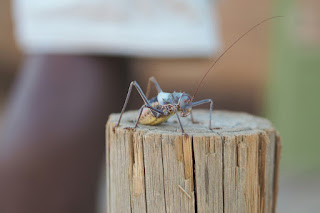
144 98
154 81
204 102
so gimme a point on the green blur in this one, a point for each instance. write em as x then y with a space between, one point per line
293 102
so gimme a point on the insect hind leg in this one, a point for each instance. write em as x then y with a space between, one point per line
144 98
154 81
140 113
139 116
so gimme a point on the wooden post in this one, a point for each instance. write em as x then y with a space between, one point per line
156 169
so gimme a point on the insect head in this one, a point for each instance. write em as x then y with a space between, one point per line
185 104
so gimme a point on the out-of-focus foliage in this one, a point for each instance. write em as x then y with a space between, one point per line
294 101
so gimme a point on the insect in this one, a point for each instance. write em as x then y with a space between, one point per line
159 109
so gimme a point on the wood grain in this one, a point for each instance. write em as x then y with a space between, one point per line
156 169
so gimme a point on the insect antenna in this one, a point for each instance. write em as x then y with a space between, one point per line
236 41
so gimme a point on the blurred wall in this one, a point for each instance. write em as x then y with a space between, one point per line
238 80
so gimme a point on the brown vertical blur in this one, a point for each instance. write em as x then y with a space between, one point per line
237 82
9 53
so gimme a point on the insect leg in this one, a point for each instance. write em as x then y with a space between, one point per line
180 124
204 102
139 116
192 119
140 113
146 102
154 81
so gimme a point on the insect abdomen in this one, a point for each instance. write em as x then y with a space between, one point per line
148 117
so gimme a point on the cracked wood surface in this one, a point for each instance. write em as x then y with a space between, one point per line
155 169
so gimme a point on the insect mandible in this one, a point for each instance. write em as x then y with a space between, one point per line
159 109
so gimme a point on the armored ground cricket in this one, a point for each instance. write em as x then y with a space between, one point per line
160 108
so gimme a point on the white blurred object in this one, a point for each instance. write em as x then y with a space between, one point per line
149 28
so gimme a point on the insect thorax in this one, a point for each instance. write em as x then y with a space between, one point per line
169 98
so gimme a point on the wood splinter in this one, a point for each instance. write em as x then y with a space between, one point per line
184 191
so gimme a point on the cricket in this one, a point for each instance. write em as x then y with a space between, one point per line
160 108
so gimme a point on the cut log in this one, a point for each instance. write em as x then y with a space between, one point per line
233 168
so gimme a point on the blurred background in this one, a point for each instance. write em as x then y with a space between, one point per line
274 73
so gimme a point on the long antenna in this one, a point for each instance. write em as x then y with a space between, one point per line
214 63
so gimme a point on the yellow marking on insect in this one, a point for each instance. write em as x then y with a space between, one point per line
153 121
148 118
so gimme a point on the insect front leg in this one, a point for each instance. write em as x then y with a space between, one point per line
154 81
144 98
181 125
204 102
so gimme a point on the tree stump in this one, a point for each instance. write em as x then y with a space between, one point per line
156 169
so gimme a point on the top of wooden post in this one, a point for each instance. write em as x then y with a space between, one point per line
155 169
225 122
